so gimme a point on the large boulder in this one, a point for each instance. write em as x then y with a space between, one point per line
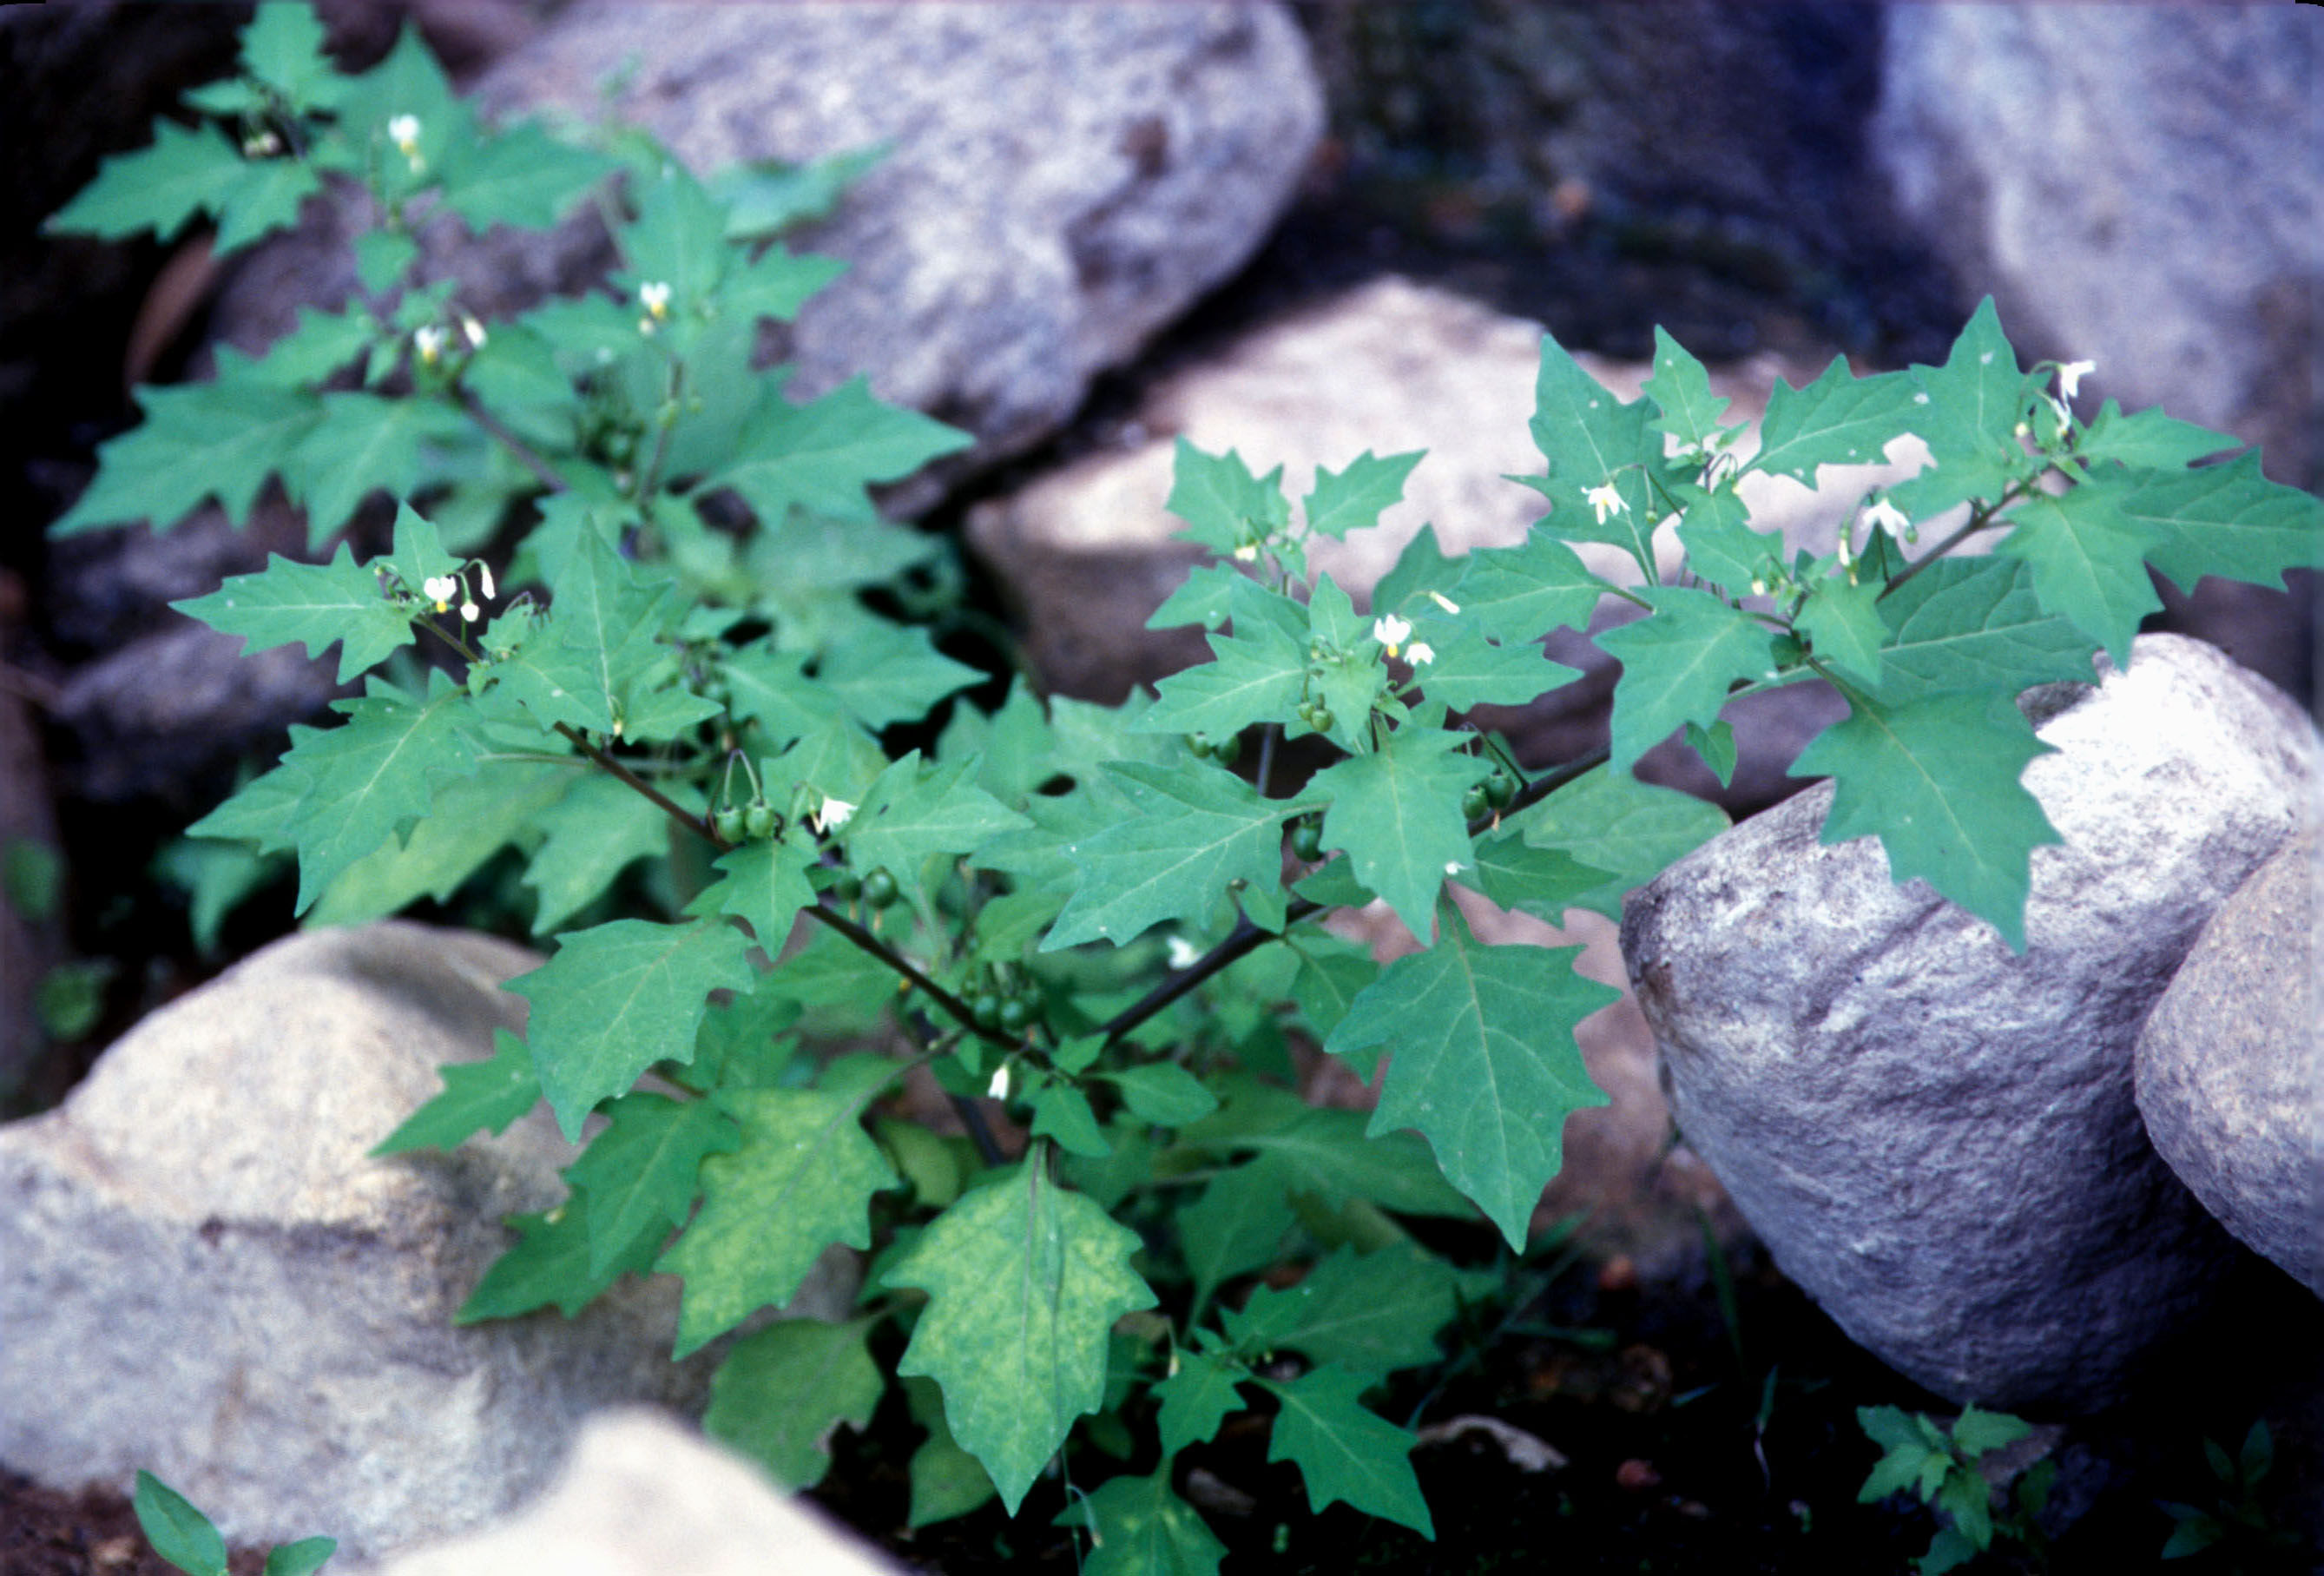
643 1497
2137 185
1937 1138
204 1273
2231 1073
1061 183
1087 552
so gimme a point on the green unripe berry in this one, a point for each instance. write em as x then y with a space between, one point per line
1474 803
985 1008
879 887
728 822
1307 840
847 886
1225 751
758 819
1501 788
1320 719
1199 745
1016 1014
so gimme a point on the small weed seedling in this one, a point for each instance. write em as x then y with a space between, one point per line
2236 1531
185 1538
1941 1467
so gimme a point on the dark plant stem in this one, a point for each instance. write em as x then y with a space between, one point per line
1980 519
517 448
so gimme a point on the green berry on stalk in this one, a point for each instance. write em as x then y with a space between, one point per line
1320 719
1225 751
1501 788
1307 840
847 886
985 1008
1199 745
728 822
758 819
879 887
1016 1014
1474 803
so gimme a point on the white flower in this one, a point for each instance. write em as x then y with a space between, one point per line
832 815
429 340
484 579
1605 501
2065 417
654 296
1444 602
1247 554
440 589
1421 654
1184 953
999 1087
2070 377
474 333
403 131
1886 516
470 613
1392 632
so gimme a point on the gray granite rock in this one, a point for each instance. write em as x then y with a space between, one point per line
1938 1139
1063 181
203 1273
641 1495
2231 1069
2137 185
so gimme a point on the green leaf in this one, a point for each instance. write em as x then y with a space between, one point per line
2090 564
1681 389
222 437
478 1097
1591 440
1198 1396
1937 780
1632 829
1526 879
1397 813
1839 420
912 814
1720 545
408 81
311 605
1025 1282
303 1558
582 663
1976 1432
1524 592
520 176
263 198
888 675
382 258
821 456
1345 1452
1482 1061
1061 1112
598 826
1353 498
283 47
781 1393
1254 675
763 195
1328 1153
802 1180
765 886
549 1267
1374 1312
364 443
1138 1527
1328 981
184 172
2226 519
1224 506
640 1173
1842 624
677 239
178 1533
618 998
1191 834
1716 745
374 775
1968 418
1974 624
1467 669
1420 568
1164 1094
320 345
2148 440
1237 1225
1679 664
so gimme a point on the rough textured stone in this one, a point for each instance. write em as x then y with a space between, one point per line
204 1274
2135 185
641 1495
1063 181
1938 1139
1088 552
2230 1075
